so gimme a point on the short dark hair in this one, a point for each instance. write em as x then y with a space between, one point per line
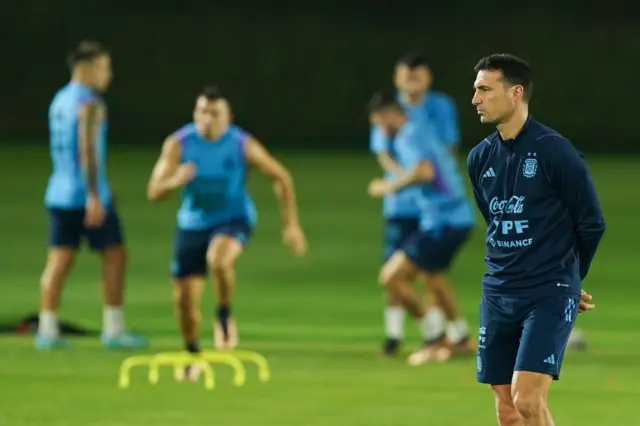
212 93
414 59
86 51
384 99
514 70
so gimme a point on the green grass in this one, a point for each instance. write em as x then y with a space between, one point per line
317 320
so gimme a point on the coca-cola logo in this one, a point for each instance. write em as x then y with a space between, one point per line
514 205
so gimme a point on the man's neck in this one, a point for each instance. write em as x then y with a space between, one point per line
512 127
415 98
212 137
78 78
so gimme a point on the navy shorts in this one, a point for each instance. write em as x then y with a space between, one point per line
67 229
519 334
396 233
433 251
190 248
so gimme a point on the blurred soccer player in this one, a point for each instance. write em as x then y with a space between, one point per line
430 173
436 113
79 198
537 197
210 158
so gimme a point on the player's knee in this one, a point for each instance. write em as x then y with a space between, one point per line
528 402
59 263
389 275
220 264
115 256
507 414
505 410
435 281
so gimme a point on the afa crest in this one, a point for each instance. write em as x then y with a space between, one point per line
530 167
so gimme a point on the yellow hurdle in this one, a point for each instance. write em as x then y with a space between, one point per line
179 360
264 372
182 359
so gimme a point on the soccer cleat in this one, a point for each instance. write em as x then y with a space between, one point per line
124 340
228 340
452 350
423 356
428 353
45 342
391 347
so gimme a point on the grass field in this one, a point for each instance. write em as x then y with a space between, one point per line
317 320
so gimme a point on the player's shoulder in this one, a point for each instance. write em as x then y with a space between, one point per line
181 137
184 132
482 150
551 141
71 96
441 98
238 133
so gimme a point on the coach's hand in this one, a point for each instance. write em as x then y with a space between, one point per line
584 304
294 238
378 188
94 212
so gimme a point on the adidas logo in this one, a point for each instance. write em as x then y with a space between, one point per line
489 173
551 359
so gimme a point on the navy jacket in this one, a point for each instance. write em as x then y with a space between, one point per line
537 197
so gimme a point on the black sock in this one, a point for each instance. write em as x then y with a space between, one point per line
223 313
193 347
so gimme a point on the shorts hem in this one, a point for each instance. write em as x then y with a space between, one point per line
181 276
495 382
555 376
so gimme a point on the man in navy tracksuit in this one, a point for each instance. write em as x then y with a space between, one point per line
544 222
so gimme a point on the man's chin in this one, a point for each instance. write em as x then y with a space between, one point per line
486 120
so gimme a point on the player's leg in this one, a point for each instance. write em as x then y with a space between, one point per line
435 307
189 269
65 230
225 248
545 333
108 240
529 391
444 297
394 316
434 254
505 410
498 343
187 293
398 275
395 232
457 342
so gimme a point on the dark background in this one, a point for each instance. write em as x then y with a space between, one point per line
300 74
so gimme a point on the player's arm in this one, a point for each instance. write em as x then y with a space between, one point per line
258 157
423 172
387 163
571 177
91 115
164 178
475 187
379 145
